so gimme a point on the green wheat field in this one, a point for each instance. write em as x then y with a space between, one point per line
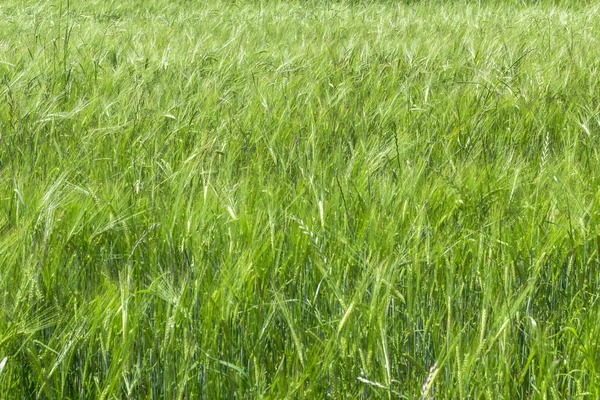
299 199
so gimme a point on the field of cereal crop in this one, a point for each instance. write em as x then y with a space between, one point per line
299 199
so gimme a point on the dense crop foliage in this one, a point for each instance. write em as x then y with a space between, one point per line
305 200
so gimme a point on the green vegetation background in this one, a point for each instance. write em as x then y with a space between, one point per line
299 199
